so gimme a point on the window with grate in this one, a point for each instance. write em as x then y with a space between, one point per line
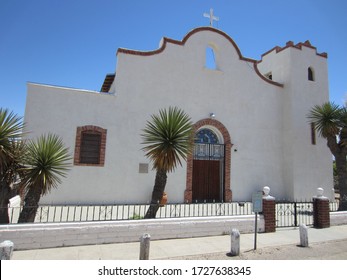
90 148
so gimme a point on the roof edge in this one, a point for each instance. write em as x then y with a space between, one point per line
66 88
166 40
290 44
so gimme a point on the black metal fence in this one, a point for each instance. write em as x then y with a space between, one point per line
292 214
287 213
87 213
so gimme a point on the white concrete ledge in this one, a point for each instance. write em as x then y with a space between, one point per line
338 218
36 236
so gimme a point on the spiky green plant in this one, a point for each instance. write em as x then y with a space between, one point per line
168 140
331 123
11 129
11 151
46 162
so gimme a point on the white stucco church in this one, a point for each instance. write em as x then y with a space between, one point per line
249 117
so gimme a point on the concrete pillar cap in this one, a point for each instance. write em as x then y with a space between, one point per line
267 195
319 195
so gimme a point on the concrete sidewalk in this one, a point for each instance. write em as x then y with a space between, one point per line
163 249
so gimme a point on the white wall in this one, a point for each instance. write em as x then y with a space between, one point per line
60 110
38 236
247 105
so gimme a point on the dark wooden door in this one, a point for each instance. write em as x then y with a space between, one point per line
206 180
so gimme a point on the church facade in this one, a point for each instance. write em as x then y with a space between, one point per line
249 118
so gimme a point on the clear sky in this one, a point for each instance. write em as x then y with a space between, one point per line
73 43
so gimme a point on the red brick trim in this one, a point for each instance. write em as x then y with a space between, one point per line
185 39
188 193
290 44
95 129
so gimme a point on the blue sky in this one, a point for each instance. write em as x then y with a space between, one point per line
73 43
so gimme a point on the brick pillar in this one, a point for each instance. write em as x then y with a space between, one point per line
321 210
269 210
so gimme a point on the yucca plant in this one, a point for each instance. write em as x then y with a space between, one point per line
168 139
11 151
331 123
46 162
11 130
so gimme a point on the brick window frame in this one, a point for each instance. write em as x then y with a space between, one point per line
92 130
227 196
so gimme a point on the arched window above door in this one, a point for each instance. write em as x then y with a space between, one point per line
206 136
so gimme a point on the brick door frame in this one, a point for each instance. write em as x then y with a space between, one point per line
227 196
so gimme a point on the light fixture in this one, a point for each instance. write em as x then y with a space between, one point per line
212 115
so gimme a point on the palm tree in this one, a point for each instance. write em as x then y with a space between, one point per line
46 162
168 139
11 150
331 123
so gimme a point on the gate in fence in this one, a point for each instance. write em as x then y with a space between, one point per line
292 214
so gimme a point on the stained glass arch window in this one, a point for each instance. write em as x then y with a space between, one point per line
206 136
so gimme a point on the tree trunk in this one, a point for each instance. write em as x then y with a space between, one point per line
31 204
158 190
5 195
341 167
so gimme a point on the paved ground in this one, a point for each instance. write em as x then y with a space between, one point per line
329 243
331 250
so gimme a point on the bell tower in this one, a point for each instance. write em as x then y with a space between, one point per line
304 73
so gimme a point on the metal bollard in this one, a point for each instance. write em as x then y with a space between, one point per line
144 246
303 230
6 250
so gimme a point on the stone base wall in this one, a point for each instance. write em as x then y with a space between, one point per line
37 236
338 218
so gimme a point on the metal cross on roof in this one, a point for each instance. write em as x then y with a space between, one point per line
211 17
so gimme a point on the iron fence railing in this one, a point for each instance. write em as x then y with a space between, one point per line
88 213
287 214
290 214
294 213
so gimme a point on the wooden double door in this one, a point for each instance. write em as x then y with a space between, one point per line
207 185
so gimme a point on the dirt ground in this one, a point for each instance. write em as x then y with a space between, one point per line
332 250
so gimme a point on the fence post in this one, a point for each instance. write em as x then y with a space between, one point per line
144 246
6 250
321 210
295 214
269 210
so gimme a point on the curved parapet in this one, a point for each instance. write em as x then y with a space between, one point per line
166 41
